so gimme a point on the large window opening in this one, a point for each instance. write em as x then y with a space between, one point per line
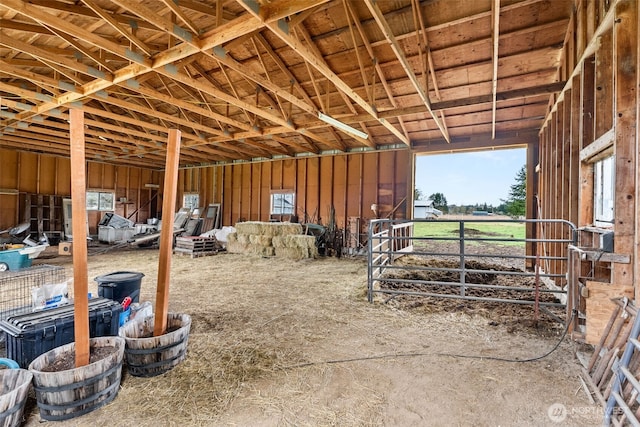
470 183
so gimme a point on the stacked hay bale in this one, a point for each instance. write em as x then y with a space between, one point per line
281 239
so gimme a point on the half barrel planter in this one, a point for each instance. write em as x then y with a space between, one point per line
148 356
14 389
70 393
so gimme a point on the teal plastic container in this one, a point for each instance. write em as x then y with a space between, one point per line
12 259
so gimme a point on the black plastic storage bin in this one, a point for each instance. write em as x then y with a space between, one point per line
119 285
32 334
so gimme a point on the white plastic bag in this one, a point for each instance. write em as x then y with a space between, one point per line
50 295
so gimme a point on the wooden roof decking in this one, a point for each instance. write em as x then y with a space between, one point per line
247 79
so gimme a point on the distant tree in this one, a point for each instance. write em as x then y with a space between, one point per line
418 194
439 201
515 205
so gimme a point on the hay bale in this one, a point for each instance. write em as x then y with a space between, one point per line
249 227
261 250
313 251
260 240
232 237
279 241
293 253
243 238
288 228
300 241
236 247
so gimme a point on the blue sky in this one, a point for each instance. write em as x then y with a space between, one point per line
469 178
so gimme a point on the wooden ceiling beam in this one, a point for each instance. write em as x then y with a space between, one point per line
321 66
220 35
224 58
113 22
477 142
74 9
320 58
175 8
146 91
277 9
395 46
162 23
42 54
129 106
83 50
462 102
283 67
58 23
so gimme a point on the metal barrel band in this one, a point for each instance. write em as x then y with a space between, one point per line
12 410
155 364
75 385
154 349
109 390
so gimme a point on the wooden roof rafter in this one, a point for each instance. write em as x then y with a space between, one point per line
286 61
388 33
113 22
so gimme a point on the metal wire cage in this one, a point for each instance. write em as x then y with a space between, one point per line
16 286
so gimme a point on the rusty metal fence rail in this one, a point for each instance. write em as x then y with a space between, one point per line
389 240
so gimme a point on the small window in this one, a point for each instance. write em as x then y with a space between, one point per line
191 201
101 201
282 204
604 190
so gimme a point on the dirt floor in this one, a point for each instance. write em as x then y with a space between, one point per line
283 343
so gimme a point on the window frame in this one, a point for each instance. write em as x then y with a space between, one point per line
101 200
604 191
190 205
288 196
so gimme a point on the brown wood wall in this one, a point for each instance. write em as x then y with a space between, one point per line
28 173
350 183
599 108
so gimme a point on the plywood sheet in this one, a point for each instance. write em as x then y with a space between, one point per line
599 307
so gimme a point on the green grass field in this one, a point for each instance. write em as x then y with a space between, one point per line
478 229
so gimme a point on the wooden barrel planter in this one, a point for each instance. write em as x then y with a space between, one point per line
64 393
148 356
14 388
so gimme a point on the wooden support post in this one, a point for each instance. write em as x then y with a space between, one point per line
166 234
79 228
531 203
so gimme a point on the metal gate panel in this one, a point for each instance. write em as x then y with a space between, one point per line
390 240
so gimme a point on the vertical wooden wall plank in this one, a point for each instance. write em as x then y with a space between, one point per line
625 42
636 254
574 165
586 138
166 234
604 85
79 211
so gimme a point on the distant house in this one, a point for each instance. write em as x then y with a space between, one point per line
423 209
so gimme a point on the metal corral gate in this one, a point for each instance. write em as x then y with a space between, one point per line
391 239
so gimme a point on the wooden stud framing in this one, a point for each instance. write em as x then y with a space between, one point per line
625 53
